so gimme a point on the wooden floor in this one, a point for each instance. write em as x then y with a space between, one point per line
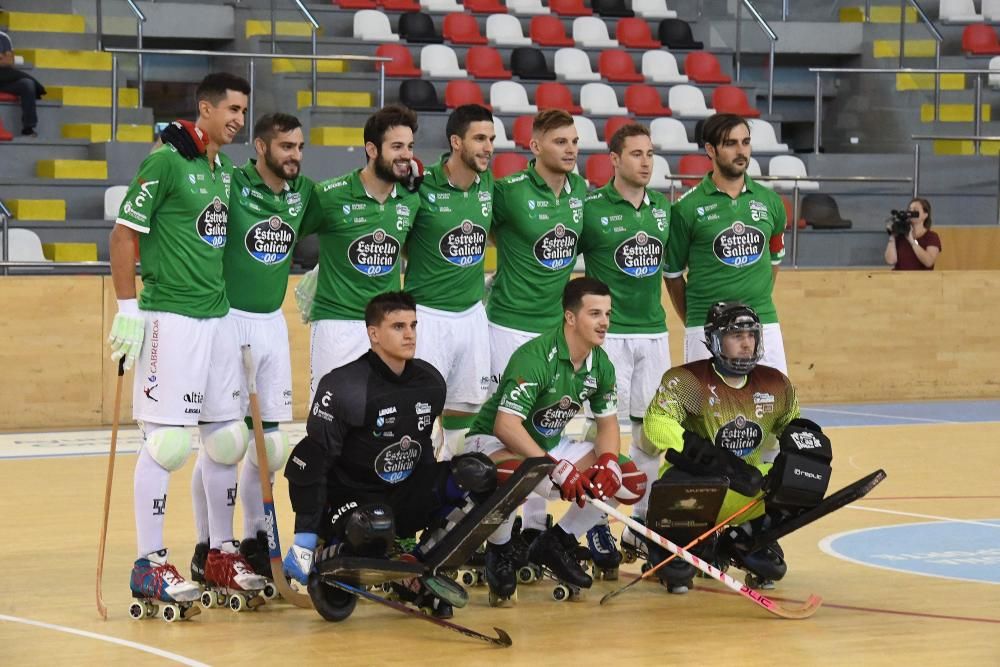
871 616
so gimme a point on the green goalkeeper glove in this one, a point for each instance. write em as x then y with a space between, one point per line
127 331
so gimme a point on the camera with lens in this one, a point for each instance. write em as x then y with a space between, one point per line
900 222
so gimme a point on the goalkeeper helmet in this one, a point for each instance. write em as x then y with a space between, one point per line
730 317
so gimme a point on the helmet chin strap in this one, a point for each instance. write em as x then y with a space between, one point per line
721 370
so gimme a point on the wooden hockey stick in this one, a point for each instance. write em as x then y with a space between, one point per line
650 572
101 609
803 611
263 469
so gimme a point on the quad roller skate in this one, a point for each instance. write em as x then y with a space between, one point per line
677 576
256 553
230 581
527 572
158 589
501 572
473 573
555 552
763 566
602 551
435 595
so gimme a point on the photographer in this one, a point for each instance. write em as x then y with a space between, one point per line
912 245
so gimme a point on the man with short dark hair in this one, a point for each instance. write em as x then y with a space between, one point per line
20 83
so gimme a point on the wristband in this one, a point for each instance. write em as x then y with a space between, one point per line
128 307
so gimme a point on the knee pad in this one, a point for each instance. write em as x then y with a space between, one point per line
370 530
277 447
633 486
474 473
226 444
169 446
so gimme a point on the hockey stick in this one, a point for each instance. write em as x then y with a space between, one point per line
650 572
101 609
776 608
263 470
502 638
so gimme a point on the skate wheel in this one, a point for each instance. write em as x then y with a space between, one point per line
497 601
386 587
468 577
629 556
207 600
270 591
171 613
137 611
237 603
646 567
526 574
560 593
188 610
255 602
606 574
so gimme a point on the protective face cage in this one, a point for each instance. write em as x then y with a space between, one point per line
729 321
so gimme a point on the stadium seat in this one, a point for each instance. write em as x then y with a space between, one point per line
587 132
462 92
661 175
527 7
440 61
668 134
113 198
462 29
599 99
644 100
552 95
505 164
355 4
599 170
703 67
612 8
505 30
485 6
419 95
653 9
763 138
958 12
418 28
730 99
402 62
574 65
790 213
24 245
5 134
688 101
676 34
441 6
980 40
371 25
484 62
501 143
527 62
592 32
510 97
789 166
570 8
635 34
661 67
991 10
617 66
693 166
549 31
8 97
821 212
400 5
754 172
522 131
613 124
994 78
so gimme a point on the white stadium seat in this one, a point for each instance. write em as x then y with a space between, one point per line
588 135
790 165
371 25
501 143
592 32
510 97
599 99
668 134
505 30
574 65
653 9
438 60
763 139
527 7
688 101
661 175
113 198
661 67
959 12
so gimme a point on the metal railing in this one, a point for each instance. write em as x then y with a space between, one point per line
314 25
251 73
975 138
938 40
5 215
771 35
140 18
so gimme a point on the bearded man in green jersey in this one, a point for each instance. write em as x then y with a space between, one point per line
728 233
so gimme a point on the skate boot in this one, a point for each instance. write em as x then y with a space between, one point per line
230 581
603 552
527 572
763 566
633 545
256 552
677 576
434 595
198 563
555 552
501 572
156 584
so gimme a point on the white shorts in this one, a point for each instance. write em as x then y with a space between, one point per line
569 449
458 345
503 343
640 362
774 346
333 343
267 336
173 385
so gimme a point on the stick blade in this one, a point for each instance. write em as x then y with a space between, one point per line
502 637
806 610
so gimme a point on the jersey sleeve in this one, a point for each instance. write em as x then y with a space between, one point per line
663 424
499 204
146 191
329 418
520 386
678 245
777 242
604 402
312 216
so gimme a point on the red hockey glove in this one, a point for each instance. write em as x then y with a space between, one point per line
605 477
572 485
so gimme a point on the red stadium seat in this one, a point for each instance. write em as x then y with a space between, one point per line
555 96
980 40
355 4
644 100
599 170
693 165
400 5
8 97
508 163
613 124
616 65
730 99
703 67
402 61
570 8
484 62
635 34
522 131
788 213
5 135
463 91
549 31
484 6
462 29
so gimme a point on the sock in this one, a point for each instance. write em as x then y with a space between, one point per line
219 482
578 520
503 532
199 503
536 511
648 464
150 502
251 500
455 427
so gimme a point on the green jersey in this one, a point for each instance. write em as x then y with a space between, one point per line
624 248
725 244
446 247
359 244
541 387
263 227
536 234
181 209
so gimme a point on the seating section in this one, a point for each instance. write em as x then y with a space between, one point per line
462 92
401 64
549 31
522 131
419 95
24 245
980 40
762 137
612 125
373 26
553 95
599 170
822 212
592 32
644 100
440 61
570 8
505 164
958 12
462 29
617 66
661 179
485 6
991 11
612 8
790 166
599 99
994 79
635 34
661 67
730 99
441 6
400 5
589 140
653 9
501 142
574 65
484 62
703 67
676 34
504 30
668 134
687 101
510 97
418 28
527 7
527 62
693 166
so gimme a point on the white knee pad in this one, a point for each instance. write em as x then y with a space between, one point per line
278 448
169 446
226 444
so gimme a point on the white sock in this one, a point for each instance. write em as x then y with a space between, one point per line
251 499
536 511
219 481
200 503
578 520
149 497
454 443
648 464
503 532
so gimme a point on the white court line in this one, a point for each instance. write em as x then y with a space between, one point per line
105 638
854 413
924 516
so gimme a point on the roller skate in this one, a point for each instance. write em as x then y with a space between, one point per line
527 572
763 566
230 581
156 584
555 552
473 573
633 546
603 552
435 595
677 576
501 573
257 554
198 563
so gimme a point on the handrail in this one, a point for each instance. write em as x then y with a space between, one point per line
771 35
140 18
315 30
5 215
250 67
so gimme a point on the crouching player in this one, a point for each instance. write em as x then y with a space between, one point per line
729 417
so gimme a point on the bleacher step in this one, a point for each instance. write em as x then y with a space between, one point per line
98 132
70 252
92 96
879 14
72 169
257 28
66 59
925 81
15 21
297 65
337 136
38 209
912 48
330 98
954 113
